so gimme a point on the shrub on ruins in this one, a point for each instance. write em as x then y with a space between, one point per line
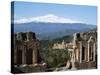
55 57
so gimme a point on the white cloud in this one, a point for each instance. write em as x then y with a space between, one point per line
50 18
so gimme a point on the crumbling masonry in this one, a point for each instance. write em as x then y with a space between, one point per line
26 52
84 53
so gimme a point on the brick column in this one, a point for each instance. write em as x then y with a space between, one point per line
80 52
88 51
15 55
34 56
23 56
94 51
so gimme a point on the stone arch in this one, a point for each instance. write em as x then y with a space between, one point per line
91 53
29 55
83 53
19 56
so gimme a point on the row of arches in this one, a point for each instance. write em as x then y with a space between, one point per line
24 57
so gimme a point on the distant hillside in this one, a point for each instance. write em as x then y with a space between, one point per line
50 43
67 38
52 30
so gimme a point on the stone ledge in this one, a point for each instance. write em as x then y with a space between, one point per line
32 68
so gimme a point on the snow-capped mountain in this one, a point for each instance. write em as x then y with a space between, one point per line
51 26
49 18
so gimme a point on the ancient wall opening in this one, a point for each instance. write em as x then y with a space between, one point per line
83 53
91 53
19 57
29 56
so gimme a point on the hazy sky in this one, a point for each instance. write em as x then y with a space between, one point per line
87 14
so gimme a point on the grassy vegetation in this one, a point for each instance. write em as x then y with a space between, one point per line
54 57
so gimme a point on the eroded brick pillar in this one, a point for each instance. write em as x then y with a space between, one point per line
23 56
34 58
80 52
88 51
94 47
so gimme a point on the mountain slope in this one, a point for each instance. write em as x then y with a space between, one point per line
52 30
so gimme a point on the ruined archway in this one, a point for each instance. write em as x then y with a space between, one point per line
19 57
83 53
29 55
91 53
